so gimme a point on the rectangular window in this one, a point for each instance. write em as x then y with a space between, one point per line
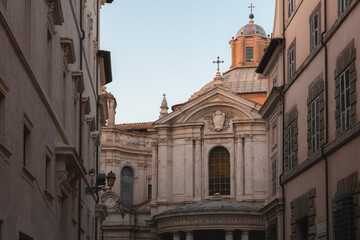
302 228
291 62
149 191
344 217
345 99
272 232
291 146
27 26
26 145
315 124
49 64
47 173
23 236
273 178
1 230
249 54
2 116
315 32
4 3
343 4
291 6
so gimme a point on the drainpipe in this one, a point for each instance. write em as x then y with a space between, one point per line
97 105
80 118
283 125
326 121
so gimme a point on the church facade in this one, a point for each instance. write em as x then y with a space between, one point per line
201 171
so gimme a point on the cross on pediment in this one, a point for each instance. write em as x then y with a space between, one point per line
218 63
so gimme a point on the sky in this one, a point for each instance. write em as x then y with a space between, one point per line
168 46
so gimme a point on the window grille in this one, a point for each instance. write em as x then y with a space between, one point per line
219 171
344 217
345 100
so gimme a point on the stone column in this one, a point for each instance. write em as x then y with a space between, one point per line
244 235
154 170
176 236
197 171
190 235
229 235
240 168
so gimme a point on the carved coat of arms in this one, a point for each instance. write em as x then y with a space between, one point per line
218 121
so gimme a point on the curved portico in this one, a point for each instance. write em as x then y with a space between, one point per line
215 219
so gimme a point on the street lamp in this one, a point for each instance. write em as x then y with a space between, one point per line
100 182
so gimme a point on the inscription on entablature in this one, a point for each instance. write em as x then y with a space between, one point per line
210 220
218 141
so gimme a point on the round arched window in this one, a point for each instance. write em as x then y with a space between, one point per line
219 171
127 186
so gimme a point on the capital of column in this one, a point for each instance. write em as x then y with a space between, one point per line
244 235
229 234
176 235
190 235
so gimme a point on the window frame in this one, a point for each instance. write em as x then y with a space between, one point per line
291 145
315 30
291 7
273 177
222 183
291 60
315 124
345 104
252 54
127 190
343 5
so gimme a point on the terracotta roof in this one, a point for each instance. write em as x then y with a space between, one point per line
137 127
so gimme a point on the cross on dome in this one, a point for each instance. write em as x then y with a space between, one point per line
218 63
251 7
251 16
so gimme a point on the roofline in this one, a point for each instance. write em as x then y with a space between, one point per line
274 43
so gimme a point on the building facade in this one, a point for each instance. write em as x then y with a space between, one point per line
199 172
317 63
51 72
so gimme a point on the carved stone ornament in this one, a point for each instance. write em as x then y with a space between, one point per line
110 200
218 121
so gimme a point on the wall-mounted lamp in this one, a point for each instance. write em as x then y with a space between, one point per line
100 182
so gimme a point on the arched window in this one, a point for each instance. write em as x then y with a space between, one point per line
219 171
127 186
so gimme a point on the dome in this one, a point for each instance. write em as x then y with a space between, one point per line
251 29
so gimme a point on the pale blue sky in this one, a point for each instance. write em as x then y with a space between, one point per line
167 46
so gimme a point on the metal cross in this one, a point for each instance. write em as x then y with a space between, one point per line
251 7
218 63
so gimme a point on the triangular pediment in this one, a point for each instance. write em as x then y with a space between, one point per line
218 99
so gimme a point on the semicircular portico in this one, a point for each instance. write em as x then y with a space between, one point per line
224 218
